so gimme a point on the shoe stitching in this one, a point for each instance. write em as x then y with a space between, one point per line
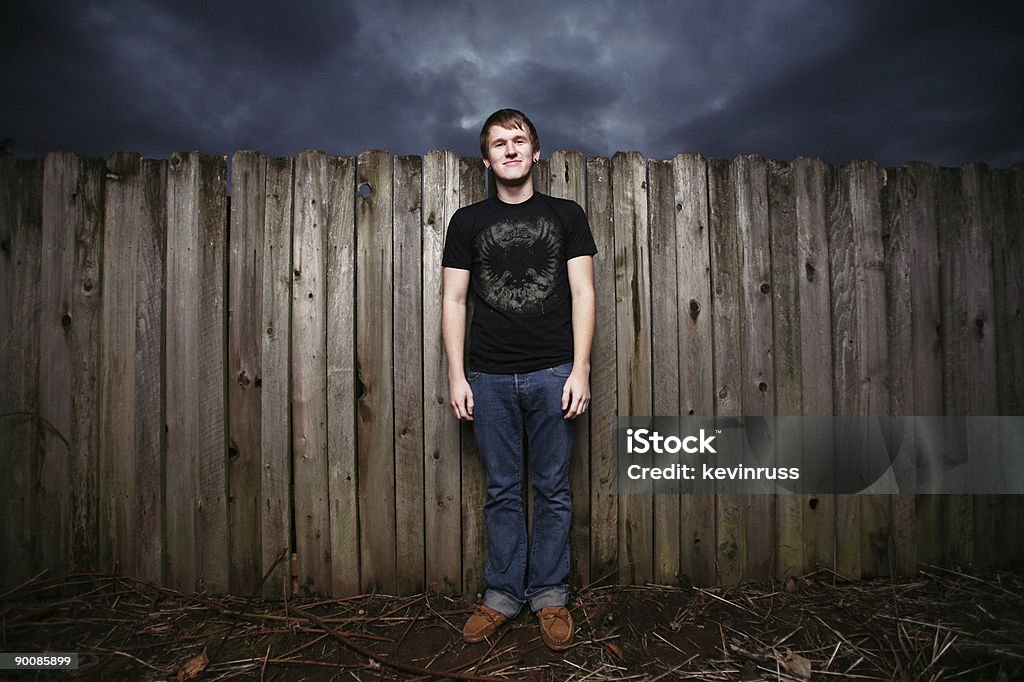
491 620
562 615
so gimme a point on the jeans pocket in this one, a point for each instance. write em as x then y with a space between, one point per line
472 376
561 371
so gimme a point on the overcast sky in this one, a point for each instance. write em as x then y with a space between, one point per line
886 80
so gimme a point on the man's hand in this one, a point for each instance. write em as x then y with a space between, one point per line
461 398
576 394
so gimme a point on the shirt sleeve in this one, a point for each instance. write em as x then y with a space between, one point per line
457 251
580 240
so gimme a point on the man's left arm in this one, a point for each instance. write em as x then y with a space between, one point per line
576 393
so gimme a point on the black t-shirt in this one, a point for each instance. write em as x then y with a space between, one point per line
519 281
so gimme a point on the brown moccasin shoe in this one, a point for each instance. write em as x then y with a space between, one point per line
556 627
482 624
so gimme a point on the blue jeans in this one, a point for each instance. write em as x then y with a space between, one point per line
504 407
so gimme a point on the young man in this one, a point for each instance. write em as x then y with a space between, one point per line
527 259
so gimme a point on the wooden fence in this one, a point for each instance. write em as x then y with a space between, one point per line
192 387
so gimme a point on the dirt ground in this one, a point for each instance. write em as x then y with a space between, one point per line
940 625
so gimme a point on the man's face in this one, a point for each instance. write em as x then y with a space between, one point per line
510 154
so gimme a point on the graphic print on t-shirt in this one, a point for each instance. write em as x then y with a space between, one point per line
519 264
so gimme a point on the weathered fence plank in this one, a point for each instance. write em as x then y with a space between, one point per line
872 350
757 390
309 374
696 378
374 359
814 279
196 496
633 342
272 523
442 456
726 266
72 239
665 340
131 393
956 515
408 373
53 511
786 272
182 347
569 181
342 476
246 285
85 299
604 512
21 199
843 270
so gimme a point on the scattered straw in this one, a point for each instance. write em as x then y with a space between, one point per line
942 624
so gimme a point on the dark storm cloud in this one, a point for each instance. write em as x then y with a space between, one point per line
274 35
154 78
889 81
911 83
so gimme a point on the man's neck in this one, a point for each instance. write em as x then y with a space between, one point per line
516 194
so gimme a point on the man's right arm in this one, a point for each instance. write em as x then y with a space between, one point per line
453 331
